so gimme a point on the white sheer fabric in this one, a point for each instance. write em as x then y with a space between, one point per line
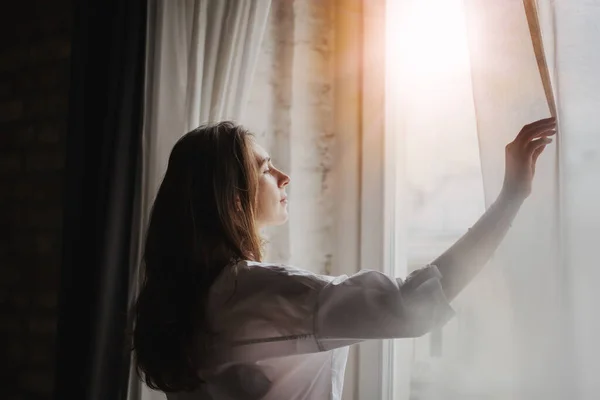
200 61
508 93
548 256
577 83
526 328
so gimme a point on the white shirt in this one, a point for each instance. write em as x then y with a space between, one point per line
283 332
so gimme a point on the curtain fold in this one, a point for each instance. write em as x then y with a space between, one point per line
537 40
200 62
105 125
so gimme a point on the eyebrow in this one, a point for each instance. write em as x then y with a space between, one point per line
264 160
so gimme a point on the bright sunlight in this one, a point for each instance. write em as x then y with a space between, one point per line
427 38
429 86
433 119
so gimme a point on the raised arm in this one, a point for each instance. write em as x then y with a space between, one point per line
463 260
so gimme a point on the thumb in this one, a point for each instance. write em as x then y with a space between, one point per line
535 156
537 152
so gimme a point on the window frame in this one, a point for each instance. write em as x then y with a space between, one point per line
368 234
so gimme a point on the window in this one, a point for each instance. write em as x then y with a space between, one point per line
440 160
438 173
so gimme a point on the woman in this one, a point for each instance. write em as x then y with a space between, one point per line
215 322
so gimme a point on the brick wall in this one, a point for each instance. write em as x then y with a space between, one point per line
34 79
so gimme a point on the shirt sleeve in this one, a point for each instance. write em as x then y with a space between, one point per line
372 305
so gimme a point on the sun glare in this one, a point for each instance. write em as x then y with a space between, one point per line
429 89
427 38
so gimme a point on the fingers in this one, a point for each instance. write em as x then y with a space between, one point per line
542 123
538 145
537 129
538 135
537 132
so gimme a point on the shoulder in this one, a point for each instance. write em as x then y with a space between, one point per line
247 280
278 273
255 300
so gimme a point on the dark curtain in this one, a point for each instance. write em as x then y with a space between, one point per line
102 174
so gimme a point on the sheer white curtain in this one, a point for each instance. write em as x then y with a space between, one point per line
508 93
576 66
201 58
526 328
548 256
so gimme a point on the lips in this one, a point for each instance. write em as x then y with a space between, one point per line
283 199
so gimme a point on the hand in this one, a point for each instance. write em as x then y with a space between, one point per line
521 157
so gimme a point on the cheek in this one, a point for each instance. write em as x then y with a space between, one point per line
270 210
268 194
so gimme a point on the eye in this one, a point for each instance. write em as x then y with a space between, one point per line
268 168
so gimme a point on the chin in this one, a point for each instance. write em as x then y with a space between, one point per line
273 223
282 220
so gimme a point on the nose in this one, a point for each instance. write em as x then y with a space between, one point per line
284 179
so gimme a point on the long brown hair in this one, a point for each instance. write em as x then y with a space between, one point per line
203 218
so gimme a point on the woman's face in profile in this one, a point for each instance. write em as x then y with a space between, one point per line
271 197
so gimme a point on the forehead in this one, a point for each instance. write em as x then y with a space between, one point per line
259 152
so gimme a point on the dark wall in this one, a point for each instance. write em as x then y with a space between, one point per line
35 41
